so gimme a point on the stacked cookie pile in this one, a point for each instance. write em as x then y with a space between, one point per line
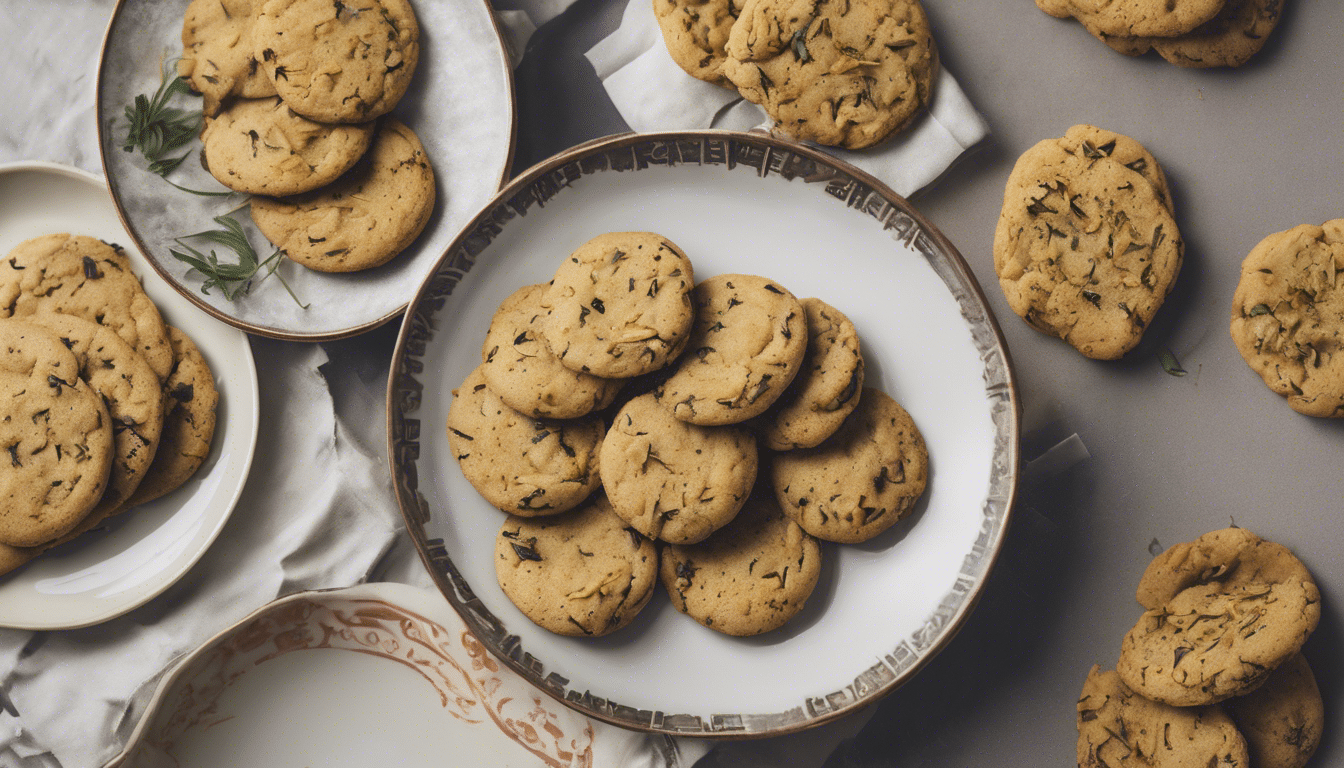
619 416
846 74
296 96
1212 673
1187 33
107 407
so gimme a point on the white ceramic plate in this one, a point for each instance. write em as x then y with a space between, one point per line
106 573
735 203
377 673
460 104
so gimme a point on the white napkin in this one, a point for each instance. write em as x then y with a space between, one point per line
653 93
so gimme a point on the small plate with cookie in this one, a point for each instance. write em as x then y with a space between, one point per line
705 433
136 480
301 186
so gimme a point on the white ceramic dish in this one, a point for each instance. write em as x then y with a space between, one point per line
460 104
109 572
735 203
383 673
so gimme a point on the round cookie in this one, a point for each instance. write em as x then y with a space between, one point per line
338 61
860 481
1231 556
583 573
56 435
748 342
1229 39
363 219
85 277
262 147
1117 728
696 34
1144 18
1288 316
672 480
620 305
521 369
751 576
1283 719
217 52
842 74
1086 249
826 389
522 465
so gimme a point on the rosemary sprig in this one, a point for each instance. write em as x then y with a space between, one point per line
158 130
230 279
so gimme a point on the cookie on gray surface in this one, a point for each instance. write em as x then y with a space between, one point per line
672 480
1230 556
1090 143
584 573
1282 720
826 389
1144 18
217 52
1229 39
696 34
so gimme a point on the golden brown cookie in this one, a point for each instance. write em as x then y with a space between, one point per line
217 52
696 34
826 389
1144 18
1092 144
1288 316
1283 719
1229 39
1230 556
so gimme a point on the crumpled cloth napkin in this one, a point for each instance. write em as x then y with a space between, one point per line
653 93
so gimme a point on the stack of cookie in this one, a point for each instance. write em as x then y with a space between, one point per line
617 417
108 407
296 96
1212 673
842 74
1187 33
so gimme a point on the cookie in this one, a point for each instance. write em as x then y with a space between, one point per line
748 342
1283 719
57 436
1144 18
338 61
1091 143
1117 728
672 480
620 305
1288 316
1229 39
826 389
85 277
584 573
363 219
262 147
1086 249
696 34
1231 556
521 369
842 74
217 52
520 464
750 577
861 480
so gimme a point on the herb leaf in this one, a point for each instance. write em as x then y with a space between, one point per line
1170 364
231 279
159 131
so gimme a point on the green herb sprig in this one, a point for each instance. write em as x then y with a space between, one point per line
230 279
159 131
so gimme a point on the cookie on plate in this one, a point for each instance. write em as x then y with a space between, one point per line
217 53
1229 39
696 34
346 61
520 464
826 389
749 577
584 573
262 147
85 277
1230 556
672 480
1288 316
521 369
1118 728
748 342
843 74
57 436
859 482
364 218
1086 249
1283 719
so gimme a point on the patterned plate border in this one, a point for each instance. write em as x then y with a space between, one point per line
748 153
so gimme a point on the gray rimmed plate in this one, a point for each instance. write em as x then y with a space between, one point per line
460 104
742 203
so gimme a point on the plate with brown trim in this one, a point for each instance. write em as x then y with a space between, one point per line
460 105
735 203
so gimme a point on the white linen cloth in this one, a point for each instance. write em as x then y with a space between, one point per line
653 93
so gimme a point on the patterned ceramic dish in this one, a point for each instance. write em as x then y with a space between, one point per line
379 672
460 104
735 203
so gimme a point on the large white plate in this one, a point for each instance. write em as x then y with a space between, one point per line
106 573
735 203
460 104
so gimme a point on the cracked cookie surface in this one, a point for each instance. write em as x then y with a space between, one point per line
825 390
1230 556
1229 39
696 34
1143 18
217 52
1282 720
